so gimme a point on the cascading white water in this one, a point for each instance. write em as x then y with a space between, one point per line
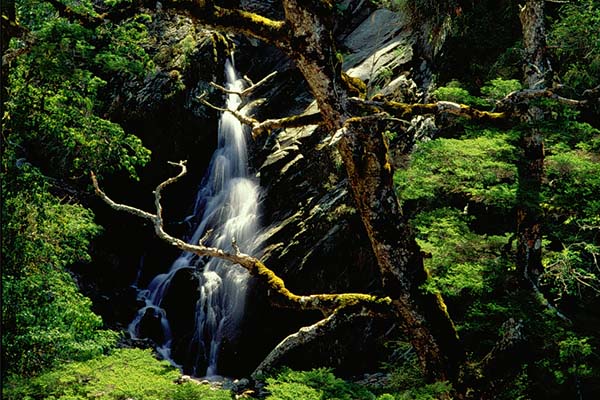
227 204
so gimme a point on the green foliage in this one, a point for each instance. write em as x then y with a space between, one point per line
430 391
573 185
572 271
124 53
570 199
406 379
494 90
564 130
460 259
573 353
498 88
478 170
56 96
575 40
454 92
45 319
125 374
316 384
461 193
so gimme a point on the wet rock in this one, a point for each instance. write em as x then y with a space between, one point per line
380 29
151 325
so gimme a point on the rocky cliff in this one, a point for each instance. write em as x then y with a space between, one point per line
312 236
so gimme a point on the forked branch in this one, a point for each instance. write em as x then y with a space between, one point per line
266 126
279 294
248 90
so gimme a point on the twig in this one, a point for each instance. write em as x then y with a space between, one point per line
205 236
279 294
247 91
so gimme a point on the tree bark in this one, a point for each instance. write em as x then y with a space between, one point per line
531 167
423 315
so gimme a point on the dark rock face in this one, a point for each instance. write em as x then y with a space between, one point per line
179 304
313 238
161 108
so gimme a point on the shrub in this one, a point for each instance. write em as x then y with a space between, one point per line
126 373
45 319
498 88
454 92
316 384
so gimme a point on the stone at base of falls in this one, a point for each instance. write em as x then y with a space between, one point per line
150 326
179 303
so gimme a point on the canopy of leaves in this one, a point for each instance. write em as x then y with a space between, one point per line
462 191
55 130
55 106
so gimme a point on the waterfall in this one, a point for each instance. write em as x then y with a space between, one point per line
227 210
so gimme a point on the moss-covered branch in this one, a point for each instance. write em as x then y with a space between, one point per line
408 110
293 121
266 126
278 293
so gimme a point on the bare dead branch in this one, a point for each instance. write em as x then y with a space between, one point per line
302 336
235 246
309 334
205 236
279 294
529 94
160 187
248 90
244 119
258 127
120 207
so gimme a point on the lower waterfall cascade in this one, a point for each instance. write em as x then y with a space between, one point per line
226 210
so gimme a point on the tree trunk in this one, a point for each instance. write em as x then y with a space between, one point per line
531 168
364 152
423 315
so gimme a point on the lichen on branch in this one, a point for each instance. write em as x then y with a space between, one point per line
278 293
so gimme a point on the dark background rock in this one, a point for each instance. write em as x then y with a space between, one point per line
312 237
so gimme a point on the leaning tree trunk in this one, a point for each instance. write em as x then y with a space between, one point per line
364 153
531 168
422 315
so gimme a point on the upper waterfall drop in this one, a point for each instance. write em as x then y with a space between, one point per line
227 209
